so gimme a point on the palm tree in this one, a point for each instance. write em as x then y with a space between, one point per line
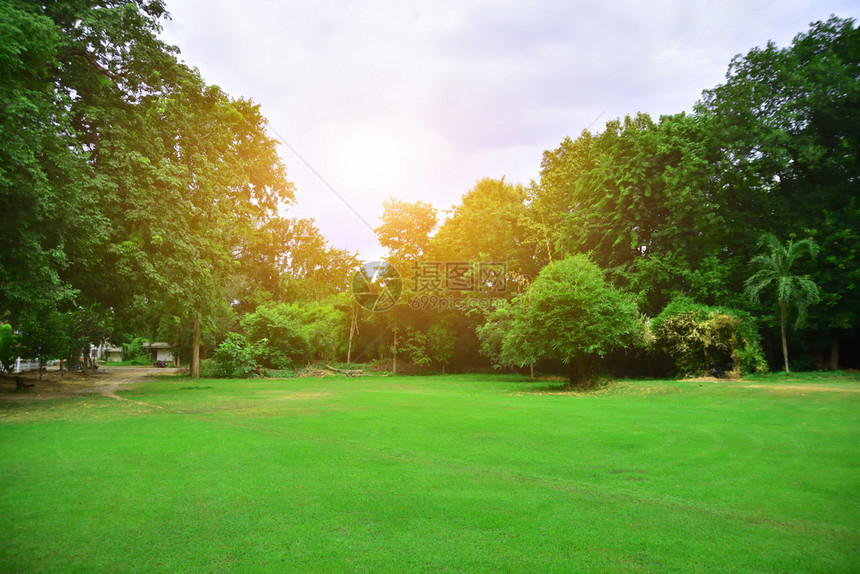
774 266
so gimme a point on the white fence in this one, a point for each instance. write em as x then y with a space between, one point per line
22 365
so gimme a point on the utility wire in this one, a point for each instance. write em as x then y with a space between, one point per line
595 119
334 191
321 178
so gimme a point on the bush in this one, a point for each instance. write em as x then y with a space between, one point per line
236 357
136 352
288 339
699 338
136 362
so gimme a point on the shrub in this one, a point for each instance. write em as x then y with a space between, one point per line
288 339
236 357
700 337
136 352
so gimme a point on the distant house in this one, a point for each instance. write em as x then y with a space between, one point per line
106 352
161 352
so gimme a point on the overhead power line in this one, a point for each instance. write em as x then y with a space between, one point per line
321 178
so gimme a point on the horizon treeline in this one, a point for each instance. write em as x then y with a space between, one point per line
139 201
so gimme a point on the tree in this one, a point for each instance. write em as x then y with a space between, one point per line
46 195
129 186
311 268
426 347
8 348
639 198
573 315
774 268
788 123
486 227
405 230
493 332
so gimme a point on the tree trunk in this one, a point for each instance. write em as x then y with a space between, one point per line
394 362
577 372
177 360
352 330
40 368
784 341
394 365
195 351
834 351
571 375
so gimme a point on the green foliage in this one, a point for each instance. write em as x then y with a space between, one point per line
470 233
312 270
298 332
328 328
573 315
236 357
9 348
288 337
675 207
405 230
46 197
435 346
774 268
137 348
137 198
414 346
493 332
789 120
129 186
700 337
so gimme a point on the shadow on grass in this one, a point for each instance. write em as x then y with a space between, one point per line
561 386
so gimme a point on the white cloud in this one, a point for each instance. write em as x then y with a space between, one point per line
420 99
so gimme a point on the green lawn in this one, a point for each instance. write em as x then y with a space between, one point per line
437 474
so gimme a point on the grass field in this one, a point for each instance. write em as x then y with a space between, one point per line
436 474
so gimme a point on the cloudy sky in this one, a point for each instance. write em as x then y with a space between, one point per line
421 99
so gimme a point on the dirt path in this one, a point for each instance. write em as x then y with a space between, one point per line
107 381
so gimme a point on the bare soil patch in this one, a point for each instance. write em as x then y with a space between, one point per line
706 380
105 381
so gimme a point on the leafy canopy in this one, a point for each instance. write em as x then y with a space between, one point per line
572 314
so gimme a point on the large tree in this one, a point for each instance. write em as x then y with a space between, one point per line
788 121
134 188
487 227
48 202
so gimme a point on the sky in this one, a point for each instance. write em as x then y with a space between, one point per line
419 100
